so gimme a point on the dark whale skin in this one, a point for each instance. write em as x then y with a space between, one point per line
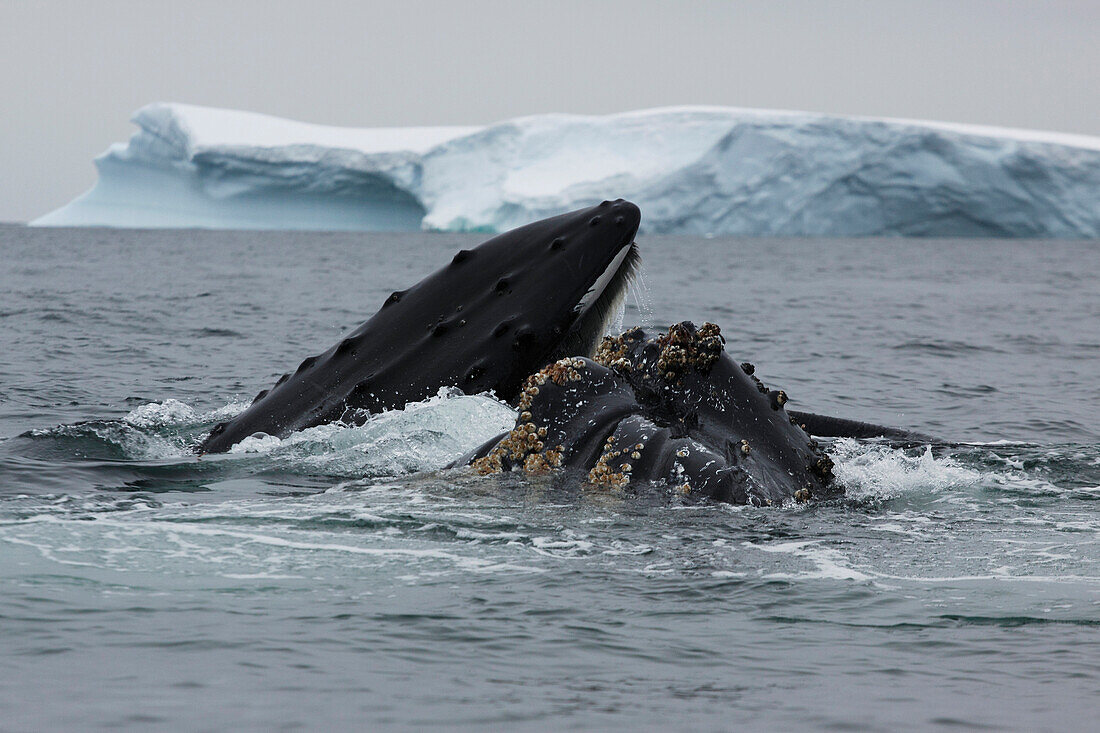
483 322
675 409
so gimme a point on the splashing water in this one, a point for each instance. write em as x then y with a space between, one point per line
882 472
423 436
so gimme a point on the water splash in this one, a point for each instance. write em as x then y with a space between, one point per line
423 436
177 414
643 302
874 470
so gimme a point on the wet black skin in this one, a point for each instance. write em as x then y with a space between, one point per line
483 322
825 426
711 431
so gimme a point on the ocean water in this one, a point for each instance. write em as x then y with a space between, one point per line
341 579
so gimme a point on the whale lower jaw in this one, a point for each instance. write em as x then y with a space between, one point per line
672 408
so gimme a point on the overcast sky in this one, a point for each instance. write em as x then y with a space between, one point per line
72 71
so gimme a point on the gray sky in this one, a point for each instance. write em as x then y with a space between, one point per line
72 71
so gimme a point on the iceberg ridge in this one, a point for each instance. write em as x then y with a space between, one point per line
697 170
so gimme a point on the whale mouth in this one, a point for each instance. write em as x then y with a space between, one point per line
600 304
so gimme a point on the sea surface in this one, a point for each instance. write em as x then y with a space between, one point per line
340 579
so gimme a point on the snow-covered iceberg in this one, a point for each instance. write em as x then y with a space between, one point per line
698 170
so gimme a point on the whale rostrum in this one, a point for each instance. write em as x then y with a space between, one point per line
483 323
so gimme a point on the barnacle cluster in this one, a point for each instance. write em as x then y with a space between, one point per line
778 398
612 470
684 348
492 462
524 446
560 372
822 467
610 350
613 351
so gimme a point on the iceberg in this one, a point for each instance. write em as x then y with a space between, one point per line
693 170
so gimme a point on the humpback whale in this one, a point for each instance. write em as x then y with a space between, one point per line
484 322
521 316
672 408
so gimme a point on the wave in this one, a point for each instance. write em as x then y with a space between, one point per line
423 436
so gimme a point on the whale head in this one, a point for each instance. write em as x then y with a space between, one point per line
670 408
483 322
527 297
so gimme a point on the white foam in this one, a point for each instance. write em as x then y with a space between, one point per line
422 436
884 472
158 414
174 413
829 563
133 543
